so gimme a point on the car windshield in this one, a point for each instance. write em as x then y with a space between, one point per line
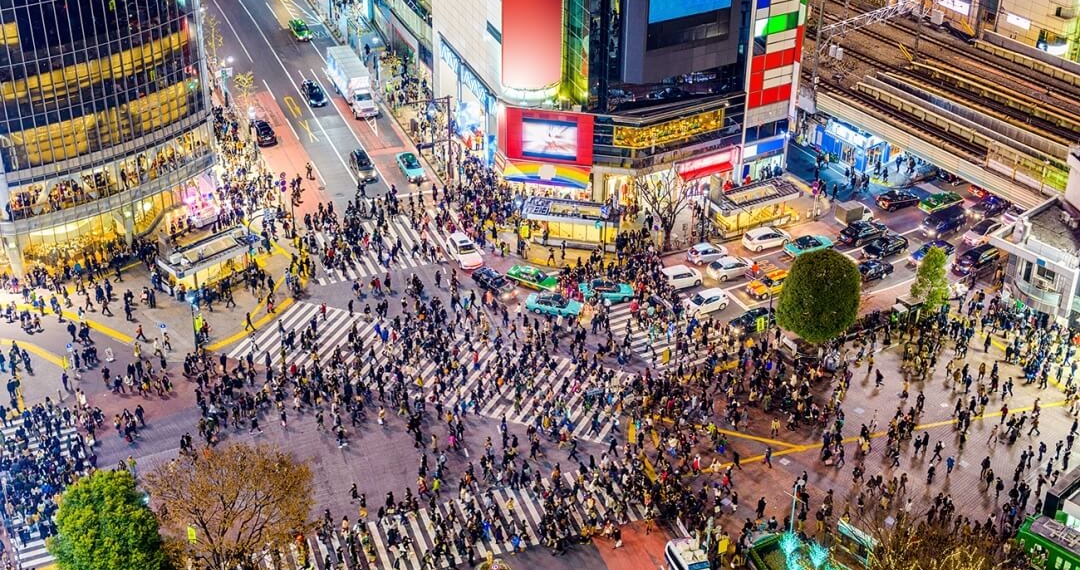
362 96
806 241
556 300
300 26
767 281
983 227
697 299
410 161
466 247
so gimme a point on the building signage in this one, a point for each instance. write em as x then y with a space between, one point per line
707 165
548 136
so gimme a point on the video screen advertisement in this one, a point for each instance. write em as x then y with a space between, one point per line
548 136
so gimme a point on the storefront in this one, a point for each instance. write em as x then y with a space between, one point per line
763 158
850 146
208 260
742 208
578 224
474 103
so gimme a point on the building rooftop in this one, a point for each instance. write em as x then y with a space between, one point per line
1053 226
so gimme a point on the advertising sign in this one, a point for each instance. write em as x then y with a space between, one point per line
548 136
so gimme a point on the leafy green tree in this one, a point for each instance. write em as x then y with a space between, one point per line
103 523
931 286
821 295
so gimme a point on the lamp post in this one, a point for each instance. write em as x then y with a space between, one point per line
444 100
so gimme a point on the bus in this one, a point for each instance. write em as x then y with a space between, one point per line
1051 544
685 554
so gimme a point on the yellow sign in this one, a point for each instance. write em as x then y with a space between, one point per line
191 534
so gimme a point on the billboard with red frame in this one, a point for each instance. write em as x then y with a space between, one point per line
548 136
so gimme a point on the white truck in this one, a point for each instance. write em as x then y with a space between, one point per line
351 80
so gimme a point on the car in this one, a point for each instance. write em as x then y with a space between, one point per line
609 291
944 222
917 256
764 237
314 93
681 276
980 232
264 133
989 207
410 167
533 278
976 260
464 250
939 201
1011 215
806 244
874 269
978 191
362 165
300 30
490 280
862 231
729 267
552 304
706 301
885 246
704 253
898 199
767 285
754 320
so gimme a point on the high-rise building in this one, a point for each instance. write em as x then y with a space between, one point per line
588 99
105 125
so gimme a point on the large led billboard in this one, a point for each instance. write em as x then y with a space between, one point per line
664 10
547 136
532 32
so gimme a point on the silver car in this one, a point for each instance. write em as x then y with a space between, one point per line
729 267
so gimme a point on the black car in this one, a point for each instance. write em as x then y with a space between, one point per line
862 231
748 322
894 200
264 134
490 280
989 207
362 165
875 269
315 95
976 260
885 246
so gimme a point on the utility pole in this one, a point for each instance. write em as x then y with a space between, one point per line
817 52
444 100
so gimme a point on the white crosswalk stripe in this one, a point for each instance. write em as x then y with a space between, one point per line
30 548
332 332
370 263
650 342
418 528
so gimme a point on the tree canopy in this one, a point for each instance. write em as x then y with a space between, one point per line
237 499
821 295
909 542
666 197
103 523
931 285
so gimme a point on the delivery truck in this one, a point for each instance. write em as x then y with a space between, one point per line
352 81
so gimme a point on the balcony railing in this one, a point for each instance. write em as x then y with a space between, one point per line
1052 299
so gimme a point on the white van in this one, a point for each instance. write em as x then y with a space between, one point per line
465 251
681 276
685 554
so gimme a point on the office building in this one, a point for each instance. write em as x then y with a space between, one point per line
105 126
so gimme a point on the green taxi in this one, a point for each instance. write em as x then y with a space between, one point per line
533 278
300 30
939 201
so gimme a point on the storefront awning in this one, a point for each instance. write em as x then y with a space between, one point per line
716 163
545 173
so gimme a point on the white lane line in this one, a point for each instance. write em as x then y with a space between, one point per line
288 76
228 22
345 119
268 90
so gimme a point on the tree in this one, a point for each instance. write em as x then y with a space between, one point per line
821 295
244 84
666 197
906 541
212 38
238 499
103 523
931 286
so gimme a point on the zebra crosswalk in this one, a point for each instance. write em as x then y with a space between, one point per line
651 342
401 540
26 538
585 401
372 262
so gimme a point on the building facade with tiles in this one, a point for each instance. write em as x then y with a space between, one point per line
105 125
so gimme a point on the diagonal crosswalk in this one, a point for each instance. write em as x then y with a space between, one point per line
371 262
562 393
651 341
26 538
401 540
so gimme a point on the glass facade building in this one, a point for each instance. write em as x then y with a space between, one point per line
105 124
